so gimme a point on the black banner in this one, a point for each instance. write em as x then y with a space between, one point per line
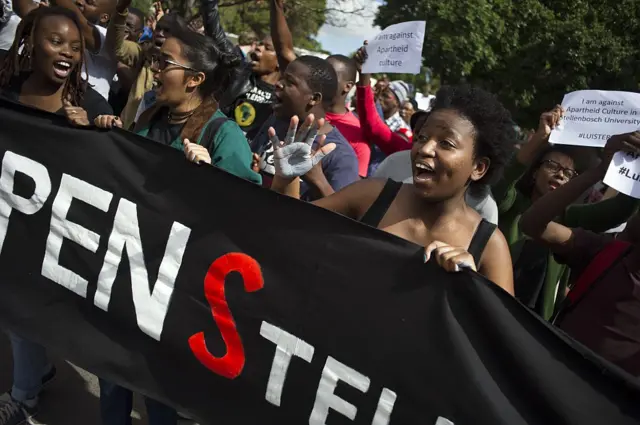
244 307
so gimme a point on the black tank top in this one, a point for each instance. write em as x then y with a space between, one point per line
378 209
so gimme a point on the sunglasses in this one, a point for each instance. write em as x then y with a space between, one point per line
160 63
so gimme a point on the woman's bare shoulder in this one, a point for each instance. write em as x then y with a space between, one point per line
354 199
495 262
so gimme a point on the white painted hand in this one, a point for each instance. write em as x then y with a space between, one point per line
294 157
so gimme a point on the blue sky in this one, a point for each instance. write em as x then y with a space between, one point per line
349 38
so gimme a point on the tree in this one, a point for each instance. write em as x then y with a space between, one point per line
305 17
529 52
143 5
186 8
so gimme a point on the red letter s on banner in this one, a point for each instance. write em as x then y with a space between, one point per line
230 365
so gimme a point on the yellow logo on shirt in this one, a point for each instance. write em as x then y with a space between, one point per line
245 114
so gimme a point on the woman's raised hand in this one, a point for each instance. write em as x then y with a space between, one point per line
294 156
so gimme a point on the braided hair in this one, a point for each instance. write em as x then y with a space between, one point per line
20 56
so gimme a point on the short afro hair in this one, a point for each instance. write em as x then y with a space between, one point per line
347 67
495 133
322 77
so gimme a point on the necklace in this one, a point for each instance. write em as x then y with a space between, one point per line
180 117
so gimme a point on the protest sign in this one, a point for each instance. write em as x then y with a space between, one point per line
623 174
111 255
592 116
396 50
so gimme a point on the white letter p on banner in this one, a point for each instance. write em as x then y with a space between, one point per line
9 201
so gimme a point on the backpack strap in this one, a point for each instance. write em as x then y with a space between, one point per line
209 135
604 261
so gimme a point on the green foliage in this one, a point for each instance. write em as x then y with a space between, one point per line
186 8
305 17
144 5
529 52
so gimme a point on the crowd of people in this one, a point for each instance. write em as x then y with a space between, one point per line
455 179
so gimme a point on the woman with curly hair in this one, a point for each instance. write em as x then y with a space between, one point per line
43 68
465 142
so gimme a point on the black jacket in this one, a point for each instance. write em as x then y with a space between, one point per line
242 77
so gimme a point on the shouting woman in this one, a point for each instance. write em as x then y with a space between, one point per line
189 73
43 70
464 142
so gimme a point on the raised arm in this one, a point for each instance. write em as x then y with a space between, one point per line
540 140
116 34
281 35
213 27
89 31
537 222
293 158
505 192
375 130
601 216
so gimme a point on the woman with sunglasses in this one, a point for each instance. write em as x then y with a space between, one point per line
190 72
537 169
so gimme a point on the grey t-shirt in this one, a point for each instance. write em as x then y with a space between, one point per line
398 167
8 31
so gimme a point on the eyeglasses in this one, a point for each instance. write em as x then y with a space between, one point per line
160 63
554 167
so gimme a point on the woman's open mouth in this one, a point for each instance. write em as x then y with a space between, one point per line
62 69
423 172
554 184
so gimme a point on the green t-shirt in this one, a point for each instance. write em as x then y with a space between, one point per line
229 149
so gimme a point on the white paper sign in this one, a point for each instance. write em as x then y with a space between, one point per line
396 50
592 116
624 174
